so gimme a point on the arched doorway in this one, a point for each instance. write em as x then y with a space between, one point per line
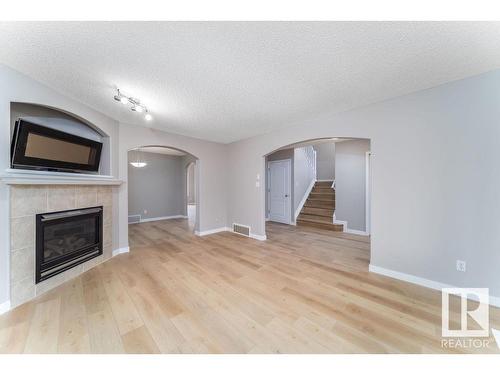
322 183
157 188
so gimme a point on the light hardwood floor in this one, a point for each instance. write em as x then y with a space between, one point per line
304 290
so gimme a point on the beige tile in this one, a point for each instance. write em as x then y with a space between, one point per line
61 198
73 272
22 291
107 215
27 200
107 252
49 284
92 263
107 237
22 232
86 196
105 196
22 264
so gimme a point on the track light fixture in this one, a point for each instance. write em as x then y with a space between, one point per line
136 104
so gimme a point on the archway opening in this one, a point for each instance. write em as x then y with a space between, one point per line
320 186
159 178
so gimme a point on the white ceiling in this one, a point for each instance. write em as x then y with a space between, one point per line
225 81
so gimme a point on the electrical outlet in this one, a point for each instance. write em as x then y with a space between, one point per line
461 265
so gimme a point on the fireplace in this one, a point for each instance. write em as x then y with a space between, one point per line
66 239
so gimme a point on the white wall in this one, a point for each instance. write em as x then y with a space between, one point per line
350 183
435 178
325 161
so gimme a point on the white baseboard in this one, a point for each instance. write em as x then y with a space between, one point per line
258 237
346 228
211 231
4 307
227 229
163 218
355 231
494 301
303 200
121 250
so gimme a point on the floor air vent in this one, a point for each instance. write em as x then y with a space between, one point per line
133 219
241 229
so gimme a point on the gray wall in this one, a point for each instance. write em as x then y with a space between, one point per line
190 184
156 188
435 178
350 183
186 161
211 174
325 161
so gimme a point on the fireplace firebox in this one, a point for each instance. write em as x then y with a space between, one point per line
66 239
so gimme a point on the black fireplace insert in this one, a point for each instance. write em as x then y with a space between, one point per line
66 239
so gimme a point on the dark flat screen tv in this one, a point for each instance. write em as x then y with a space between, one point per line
42 148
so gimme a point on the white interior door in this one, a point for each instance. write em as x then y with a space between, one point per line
279 191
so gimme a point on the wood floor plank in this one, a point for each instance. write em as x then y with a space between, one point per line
139 341
304 290
73 330
44 329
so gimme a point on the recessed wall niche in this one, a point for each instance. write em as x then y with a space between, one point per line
66 122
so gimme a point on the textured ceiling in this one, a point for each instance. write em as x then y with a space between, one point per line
225 81
162 150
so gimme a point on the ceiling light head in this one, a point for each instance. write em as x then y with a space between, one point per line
138 108
138 164
135 103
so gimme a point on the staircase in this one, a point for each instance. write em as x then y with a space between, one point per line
319 207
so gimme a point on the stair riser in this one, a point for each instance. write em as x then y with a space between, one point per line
316 218
324 183
322 197
320 203
328 212
323 191
332 227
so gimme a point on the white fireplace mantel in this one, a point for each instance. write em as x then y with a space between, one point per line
27 177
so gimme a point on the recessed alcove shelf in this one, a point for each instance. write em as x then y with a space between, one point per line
27 177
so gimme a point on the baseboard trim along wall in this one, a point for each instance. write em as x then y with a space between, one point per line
4 307
303 201
211 231
163 218
494 301
227 229
347 230
121 250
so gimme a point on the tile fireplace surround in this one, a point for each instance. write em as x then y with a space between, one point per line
28 200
